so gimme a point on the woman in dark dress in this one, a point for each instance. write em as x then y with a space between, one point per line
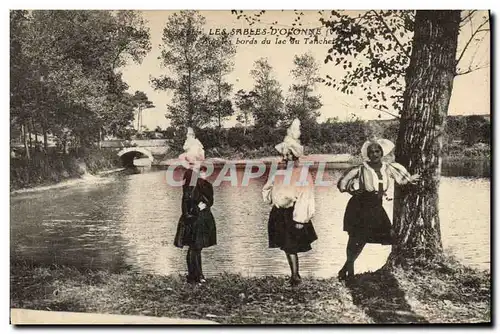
196 227
365 219
290 227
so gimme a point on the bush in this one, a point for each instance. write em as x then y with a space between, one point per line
55 167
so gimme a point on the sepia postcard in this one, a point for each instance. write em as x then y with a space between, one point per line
250 167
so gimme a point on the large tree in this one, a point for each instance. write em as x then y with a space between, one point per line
71 81
221 54
301 103
429 83
245 101
268 100
405 63
186 55
141 103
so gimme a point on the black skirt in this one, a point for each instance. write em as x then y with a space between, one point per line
284 235
196 233
366 220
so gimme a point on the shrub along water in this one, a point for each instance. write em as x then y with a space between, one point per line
53 167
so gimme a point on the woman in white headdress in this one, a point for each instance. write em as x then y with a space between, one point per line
365 219
196 227
290 227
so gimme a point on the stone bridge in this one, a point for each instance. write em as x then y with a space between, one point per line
128 150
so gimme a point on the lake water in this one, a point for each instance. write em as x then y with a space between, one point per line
129 222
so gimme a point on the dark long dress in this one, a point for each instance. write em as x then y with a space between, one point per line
199 232
284 235
366 220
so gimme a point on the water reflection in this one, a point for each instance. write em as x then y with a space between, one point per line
68 227
130 224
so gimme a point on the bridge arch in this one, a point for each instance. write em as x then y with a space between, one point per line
128 154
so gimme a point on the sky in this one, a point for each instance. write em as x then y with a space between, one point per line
471 92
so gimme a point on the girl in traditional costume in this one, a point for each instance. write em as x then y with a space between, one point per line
196 227
365 220
292 196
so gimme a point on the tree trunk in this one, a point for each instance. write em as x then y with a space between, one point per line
45 140
139 120
219 111
30 129
429 82
45 130
25 142
100 138
190 100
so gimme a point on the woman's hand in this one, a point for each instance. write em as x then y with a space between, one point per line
267 186
202 206
299 226
414 179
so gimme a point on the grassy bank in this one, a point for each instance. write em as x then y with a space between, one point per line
51 168
440 294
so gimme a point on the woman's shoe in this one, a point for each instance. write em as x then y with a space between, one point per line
342 275
295 280
190 280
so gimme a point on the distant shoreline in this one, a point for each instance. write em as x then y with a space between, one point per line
335 160
312 158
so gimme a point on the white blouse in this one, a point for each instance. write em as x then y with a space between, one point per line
284 196
363 177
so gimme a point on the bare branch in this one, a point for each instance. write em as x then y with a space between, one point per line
381 19
477 49
360 17
468 16
472 70
387 112
471 38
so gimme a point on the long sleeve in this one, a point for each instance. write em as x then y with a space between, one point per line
267 192
305 206
186 199
186 192
399 173
350 180
207 193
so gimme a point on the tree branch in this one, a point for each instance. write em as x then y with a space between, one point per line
477 49
113 65
471 38
360 17
387 112
381 19
472 70
468 16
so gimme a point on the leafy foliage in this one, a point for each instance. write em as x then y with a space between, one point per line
373 49
65 70
221 63
197 65
245 103
268 96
